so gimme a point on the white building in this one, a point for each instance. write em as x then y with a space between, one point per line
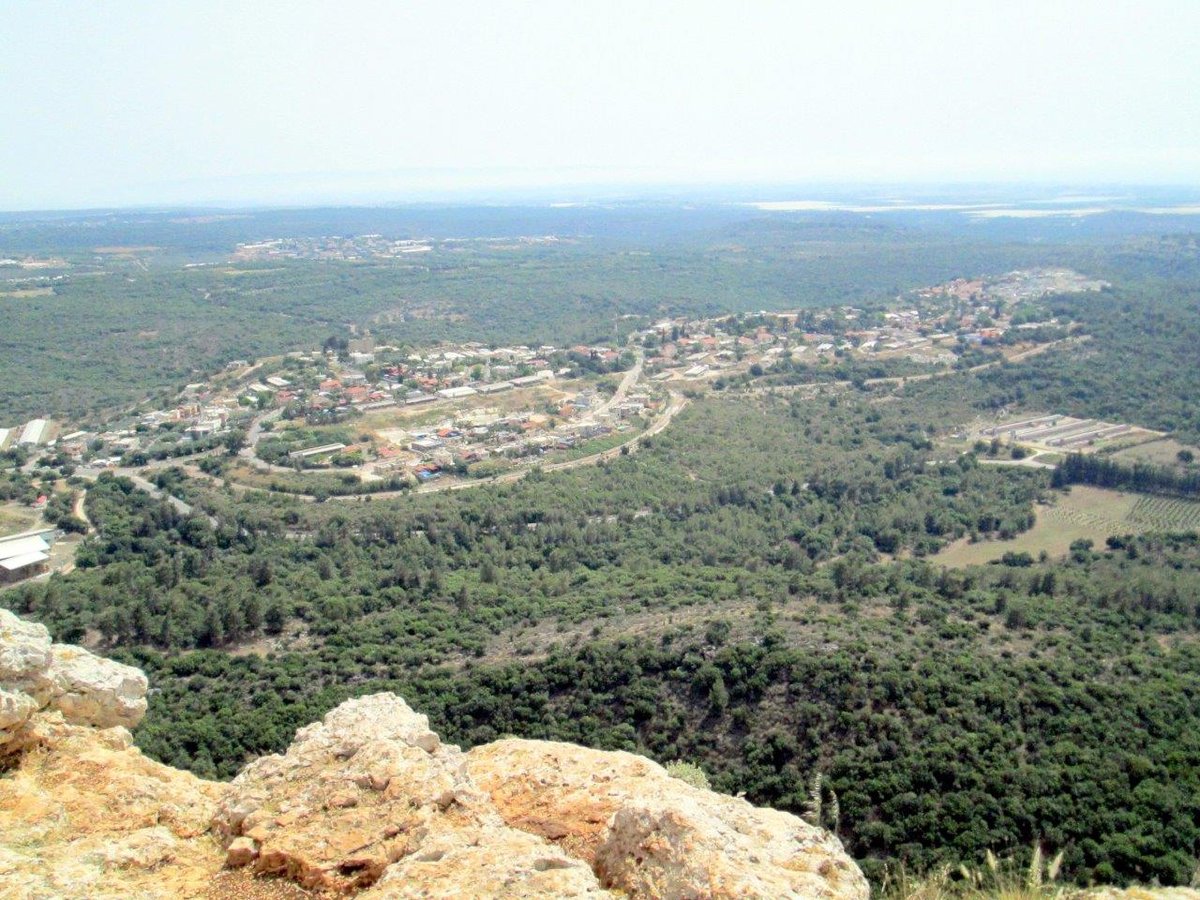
22 555
33 432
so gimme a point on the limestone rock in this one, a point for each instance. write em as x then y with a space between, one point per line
488 861
368 801
87 689
15 712
677 846
91 690
24 648
371 789
651 835
87 815
241 852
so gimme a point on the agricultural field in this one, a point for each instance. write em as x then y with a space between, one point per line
17 517
1165 514
1161 452
1085 513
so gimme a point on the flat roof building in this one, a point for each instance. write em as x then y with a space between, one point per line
316 451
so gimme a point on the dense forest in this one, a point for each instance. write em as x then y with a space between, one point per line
1142 477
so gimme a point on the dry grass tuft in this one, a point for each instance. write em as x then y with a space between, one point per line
998 878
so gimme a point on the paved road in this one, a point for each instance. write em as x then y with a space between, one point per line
253 435
255 431
630 379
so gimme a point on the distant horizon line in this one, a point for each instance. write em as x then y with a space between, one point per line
566 194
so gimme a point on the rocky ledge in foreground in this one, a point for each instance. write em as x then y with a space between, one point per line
368 802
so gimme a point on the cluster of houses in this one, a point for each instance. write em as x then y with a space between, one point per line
694 350
368 378
199 414
367 246
1033 284
474 432
371 377
327 387
480 434
468 381
923 325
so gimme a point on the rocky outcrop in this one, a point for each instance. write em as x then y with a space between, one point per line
368 802
84 814
370 797
36 675
650 835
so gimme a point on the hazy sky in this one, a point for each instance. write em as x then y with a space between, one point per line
120 102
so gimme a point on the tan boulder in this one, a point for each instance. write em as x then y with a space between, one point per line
16 709
371 789
92 690
651 835
490 860
86 689
24 648
241 852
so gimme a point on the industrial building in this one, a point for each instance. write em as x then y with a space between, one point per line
25 555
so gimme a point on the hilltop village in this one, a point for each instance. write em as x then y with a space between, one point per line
362 416
380 408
